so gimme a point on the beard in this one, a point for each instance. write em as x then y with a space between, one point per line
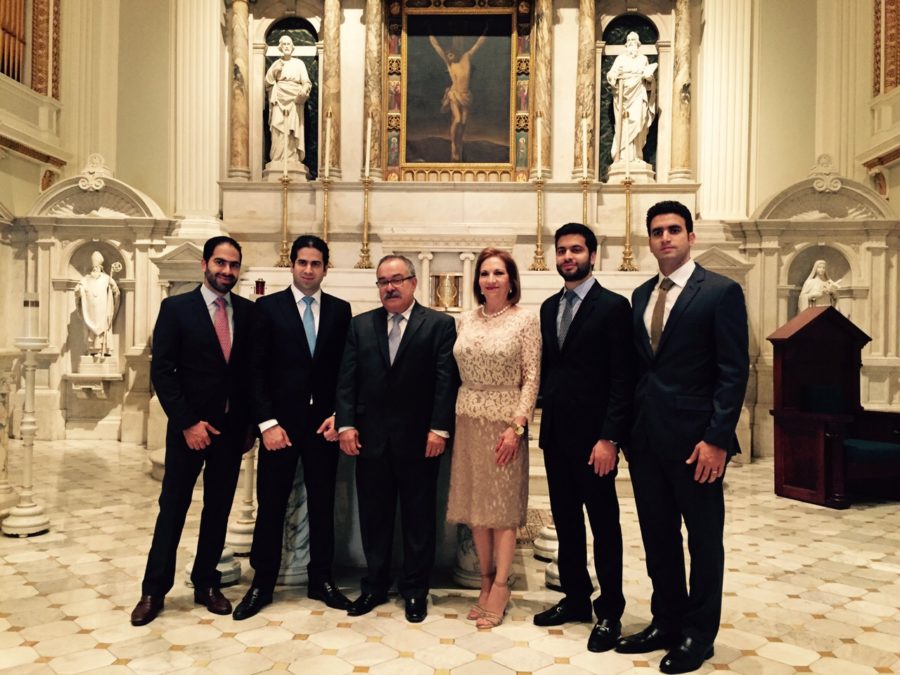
580 272
222 285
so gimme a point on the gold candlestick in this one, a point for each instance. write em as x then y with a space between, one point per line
584 199
284 258
364 263
627 258
539 264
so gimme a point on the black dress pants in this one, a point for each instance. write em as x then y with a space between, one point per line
380 482
665 493
573 487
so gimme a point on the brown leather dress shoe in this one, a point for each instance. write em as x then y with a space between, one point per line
213 600
147 609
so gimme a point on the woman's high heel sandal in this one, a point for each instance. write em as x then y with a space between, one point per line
492 619
477 611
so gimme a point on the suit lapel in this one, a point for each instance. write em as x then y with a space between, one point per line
684 299
416 318
379 326
641 298
551 336
326 322
291 317
206 329
585 309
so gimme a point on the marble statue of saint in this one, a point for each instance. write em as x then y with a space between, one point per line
97 300
289 87
818 290
634 100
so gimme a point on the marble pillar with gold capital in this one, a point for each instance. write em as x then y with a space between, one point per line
331 83
681 96
543 63
585 89
239 124
372 100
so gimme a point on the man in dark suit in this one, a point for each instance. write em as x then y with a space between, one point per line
395 408
690 334
586 390
298 339
199 365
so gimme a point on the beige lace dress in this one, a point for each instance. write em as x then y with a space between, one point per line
499 363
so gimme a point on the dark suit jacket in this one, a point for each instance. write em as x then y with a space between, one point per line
188 370
396 405
586 387
692 389
283 374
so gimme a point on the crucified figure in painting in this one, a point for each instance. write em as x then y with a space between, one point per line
457 97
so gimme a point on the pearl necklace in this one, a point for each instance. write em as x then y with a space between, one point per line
495 314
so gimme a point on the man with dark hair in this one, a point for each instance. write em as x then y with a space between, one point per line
395 408
298 339
586 387
690 335
200 354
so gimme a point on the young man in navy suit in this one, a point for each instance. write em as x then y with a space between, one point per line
298 339
395 409
199 367
690 335
587 383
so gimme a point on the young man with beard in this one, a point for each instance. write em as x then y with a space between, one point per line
200 354
586 389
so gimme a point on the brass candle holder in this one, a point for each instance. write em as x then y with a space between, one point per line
326 186
364 263
585 182
627 257
539 264
284 258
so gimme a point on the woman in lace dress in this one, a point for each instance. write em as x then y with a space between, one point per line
498 351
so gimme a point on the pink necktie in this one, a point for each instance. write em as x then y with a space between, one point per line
220 320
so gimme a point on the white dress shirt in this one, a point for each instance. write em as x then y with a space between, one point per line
680 278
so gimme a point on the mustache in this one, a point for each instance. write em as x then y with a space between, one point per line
392 294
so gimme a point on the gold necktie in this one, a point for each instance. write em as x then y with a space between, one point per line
659 309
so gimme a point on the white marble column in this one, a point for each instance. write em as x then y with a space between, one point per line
724 110
468 259
423 289
542 80
681 96
198 111
585 96
331 82
372 99
239 148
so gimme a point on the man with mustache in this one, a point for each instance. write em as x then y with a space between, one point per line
200 354
586 387
395 408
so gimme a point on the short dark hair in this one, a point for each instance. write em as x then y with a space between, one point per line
590 239
512 271
670 206
310 241
410 268
211 244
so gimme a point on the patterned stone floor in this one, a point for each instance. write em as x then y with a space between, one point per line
807 590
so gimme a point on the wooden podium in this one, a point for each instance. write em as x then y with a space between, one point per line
827 447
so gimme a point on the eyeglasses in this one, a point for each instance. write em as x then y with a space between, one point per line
395 282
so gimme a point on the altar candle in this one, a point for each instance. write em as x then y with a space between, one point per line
538 140
328 144
284 151
368 142
584 147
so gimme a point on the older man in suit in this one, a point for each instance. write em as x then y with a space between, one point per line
298 339
690 334
200 355
587 383
395 407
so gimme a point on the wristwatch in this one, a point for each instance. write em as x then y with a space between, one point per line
518 428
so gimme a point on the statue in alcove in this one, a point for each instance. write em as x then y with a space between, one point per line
290 86
634 100
97 300
818 290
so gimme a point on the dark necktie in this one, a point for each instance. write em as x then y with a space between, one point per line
394 336
309 324
569 297
220 321
659 310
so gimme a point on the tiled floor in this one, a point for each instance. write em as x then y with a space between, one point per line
807 590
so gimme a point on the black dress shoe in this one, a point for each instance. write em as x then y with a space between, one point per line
147 609
604 636
253 601
648 640
562 612
416 609
328 593
686 657
213 600
365 603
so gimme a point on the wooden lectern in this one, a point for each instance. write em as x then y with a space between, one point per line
827 448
